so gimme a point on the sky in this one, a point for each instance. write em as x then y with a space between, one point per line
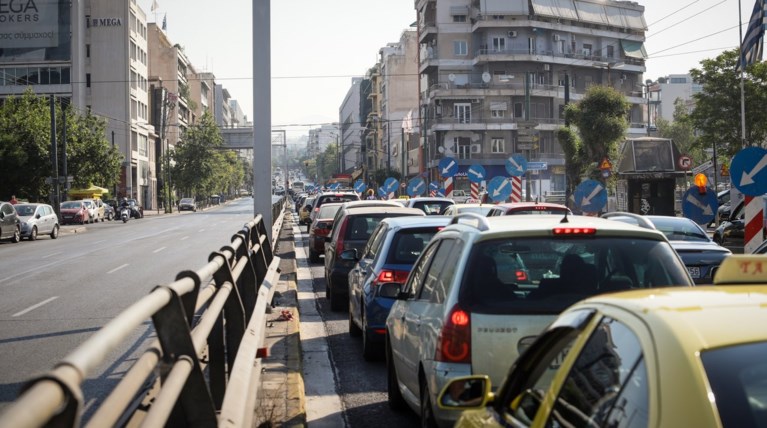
319 46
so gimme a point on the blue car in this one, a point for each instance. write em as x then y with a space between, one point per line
388 257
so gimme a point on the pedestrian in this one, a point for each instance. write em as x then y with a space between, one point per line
371 195
13 200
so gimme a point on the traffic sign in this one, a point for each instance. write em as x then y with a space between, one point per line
434 185
685 162
382 192
390 185
499 189
476 173
702 167
441 193
590 196
448 167
360 186
516 165
416 187
700 208
605 164
537 166
334 186
725 171
748 171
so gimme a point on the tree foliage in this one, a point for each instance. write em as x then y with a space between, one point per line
600 121
25 148
717 107
196 157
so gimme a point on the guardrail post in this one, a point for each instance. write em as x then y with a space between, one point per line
195 405
247 282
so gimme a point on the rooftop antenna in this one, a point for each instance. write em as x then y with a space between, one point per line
564 219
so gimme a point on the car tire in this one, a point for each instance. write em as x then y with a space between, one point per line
33 234
55 232
16 235
427 411
314 256
371 351
354 330
394 395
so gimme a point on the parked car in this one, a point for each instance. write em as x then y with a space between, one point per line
109 211
515 208
461 196
305 211
37 219
388 256
430 205
616 360
485 287
698 251
487 210
74 212
352 231
94 213
10 227
320 229
187 204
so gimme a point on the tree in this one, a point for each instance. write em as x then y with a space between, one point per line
91 159
600 119
195 157
717 107
681 130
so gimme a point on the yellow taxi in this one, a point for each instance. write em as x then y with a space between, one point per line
671 357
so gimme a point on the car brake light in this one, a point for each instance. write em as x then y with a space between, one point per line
340 240
569 231
521 275
388 275
454 344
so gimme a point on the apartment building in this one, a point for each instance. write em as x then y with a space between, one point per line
493 76
671 88
351 120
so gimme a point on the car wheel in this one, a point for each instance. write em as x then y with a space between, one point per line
55 232
394 395
354 330
33 234
16 235
371 351
314 256
427 412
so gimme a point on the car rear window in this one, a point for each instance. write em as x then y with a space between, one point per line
360 227
326 199
536 210
431 208
329 211
407 244
544 275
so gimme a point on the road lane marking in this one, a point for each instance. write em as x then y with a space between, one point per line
33 307
117 268
184 238
159 249
51 255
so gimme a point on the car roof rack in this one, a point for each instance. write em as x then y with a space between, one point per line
472 219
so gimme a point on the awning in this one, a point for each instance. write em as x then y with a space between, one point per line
634 49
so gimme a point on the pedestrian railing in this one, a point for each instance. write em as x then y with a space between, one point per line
203 370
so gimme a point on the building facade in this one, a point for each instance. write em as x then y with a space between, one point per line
673 87
350 119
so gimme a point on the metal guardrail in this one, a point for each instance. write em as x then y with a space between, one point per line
202 371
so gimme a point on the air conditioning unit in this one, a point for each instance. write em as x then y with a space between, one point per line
476 148
557 38
546 67
512 34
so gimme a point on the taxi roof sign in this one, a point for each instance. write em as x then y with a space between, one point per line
605 164
742 269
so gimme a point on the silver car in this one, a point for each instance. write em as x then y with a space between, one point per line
36 220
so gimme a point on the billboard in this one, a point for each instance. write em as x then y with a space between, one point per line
35 30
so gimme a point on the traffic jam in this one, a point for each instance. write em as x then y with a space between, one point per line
530 313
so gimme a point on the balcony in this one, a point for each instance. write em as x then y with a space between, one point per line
570 59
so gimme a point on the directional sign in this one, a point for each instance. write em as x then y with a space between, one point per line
516 165
748 171
590 196
334 186
441 193
448 167
499 189
476 173
699 208
702 167
360 186
415 187
390 185
537 166
382 192
434 185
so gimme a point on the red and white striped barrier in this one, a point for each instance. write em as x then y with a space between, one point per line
516 189
474 190
753 236
449 187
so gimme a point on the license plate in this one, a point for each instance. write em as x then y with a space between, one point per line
694 271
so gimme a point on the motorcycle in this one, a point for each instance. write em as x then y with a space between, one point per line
125 214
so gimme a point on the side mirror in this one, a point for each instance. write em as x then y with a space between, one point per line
37 216
349 255
390 289
465 392
307 207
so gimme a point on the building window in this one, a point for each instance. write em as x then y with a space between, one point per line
610 51
587 49
497 145
499 44
519 110
496 114
462 147
87 80
143 145
460 48
462 112
459 18
531 45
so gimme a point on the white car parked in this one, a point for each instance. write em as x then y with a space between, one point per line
37 219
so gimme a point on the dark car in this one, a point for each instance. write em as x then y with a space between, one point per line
109 210
137 211
320 229
732 232
700 254
352 232
10 227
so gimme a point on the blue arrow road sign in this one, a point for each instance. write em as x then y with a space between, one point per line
516 165
434 185
537 166
334 186
390 185
415 187
590 196
360 186
476 173
699 208
448 167
748 171
382 192
499 189
441 193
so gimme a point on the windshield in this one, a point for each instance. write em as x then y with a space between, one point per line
546 275
25 210
71 204
328 211
432 207
679 229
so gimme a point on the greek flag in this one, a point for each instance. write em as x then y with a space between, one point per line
751 50
165 22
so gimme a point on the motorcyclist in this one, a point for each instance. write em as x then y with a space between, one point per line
125 205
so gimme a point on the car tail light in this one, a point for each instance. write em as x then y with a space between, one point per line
521 275
454 344
340 240
389 275
322 228
570 231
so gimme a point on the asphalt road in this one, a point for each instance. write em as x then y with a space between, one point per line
57 293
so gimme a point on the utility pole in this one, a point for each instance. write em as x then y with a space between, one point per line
55 200
528 188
